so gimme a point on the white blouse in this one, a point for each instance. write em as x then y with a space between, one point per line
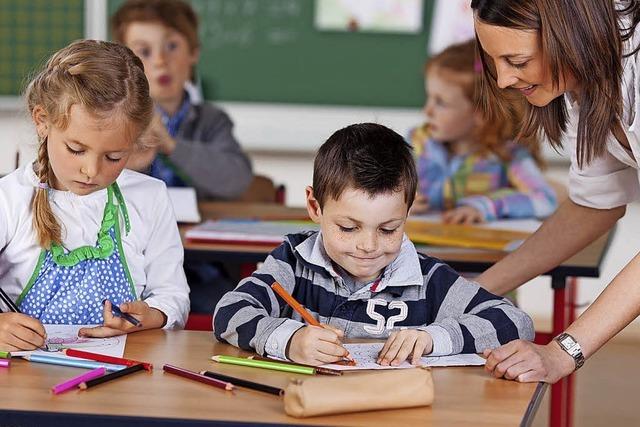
153 248
613 179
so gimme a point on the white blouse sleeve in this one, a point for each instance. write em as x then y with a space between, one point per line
604 183
167 288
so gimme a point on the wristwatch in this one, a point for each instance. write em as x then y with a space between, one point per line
571 346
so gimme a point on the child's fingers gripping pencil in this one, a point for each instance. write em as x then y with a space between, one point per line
303 312
129 318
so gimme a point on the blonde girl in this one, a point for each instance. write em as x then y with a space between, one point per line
77 233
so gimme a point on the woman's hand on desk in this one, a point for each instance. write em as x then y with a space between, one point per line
405 343
525 362
316 345
20 332
150 318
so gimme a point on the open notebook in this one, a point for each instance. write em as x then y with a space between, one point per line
247 231
465 236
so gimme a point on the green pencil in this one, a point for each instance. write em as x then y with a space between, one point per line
296 369
5 355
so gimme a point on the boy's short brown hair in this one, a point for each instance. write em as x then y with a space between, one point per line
364 156
175 14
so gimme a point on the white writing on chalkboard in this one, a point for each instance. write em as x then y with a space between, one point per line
240 23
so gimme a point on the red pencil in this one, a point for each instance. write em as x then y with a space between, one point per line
185 373
106 359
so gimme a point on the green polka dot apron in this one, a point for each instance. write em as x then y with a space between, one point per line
68 287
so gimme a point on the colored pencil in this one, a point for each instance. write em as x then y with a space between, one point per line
289 299
104 358
244 383
319 370
69 384
8 302
112 376
75 363
126 316
185 373
5 355
276 366
286 296
4 363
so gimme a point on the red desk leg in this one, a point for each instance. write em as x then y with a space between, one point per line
572 289
558 390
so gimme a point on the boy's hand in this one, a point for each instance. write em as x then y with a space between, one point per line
403 344
313 345
141 158
151 318
166 144
463 215
20 332
420 205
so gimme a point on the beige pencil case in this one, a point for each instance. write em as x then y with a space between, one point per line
354 392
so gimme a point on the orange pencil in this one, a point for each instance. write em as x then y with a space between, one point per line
278 289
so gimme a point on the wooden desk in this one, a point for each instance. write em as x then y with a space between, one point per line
464 396
586 263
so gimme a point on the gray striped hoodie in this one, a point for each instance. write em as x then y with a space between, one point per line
415 291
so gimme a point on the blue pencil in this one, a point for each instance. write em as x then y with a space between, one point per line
129 318
7 301
75 363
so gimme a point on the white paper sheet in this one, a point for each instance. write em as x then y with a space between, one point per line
366 354
66 336
185 204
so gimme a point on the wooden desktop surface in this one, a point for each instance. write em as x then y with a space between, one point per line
463 396
586 263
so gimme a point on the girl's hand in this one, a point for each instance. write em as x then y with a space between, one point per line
404 343
420 205
20 332
526 362
463 215
313 345
151 318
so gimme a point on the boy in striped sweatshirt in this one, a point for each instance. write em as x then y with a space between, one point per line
360 276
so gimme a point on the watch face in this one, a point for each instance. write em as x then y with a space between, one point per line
567 342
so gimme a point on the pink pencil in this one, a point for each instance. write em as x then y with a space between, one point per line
4 363
59 388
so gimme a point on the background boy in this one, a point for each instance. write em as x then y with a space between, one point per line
195 143
360 275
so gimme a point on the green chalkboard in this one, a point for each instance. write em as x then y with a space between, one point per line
30 31
269 51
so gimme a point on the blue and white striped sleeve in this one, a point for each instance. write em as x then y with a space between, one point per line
468 318
249 316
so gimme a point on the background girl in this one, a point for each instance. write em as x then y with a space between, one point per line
468 165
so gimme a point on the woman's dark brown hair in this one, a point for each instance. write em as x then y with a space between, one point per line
579 38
